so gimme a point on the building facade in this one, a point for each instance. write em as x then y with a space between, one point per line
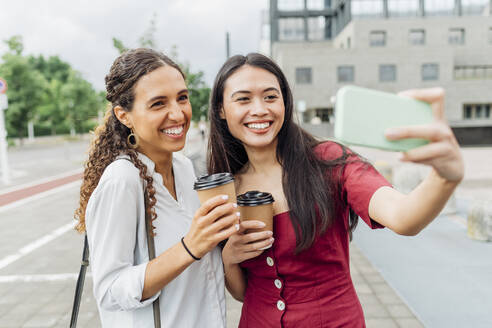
389 45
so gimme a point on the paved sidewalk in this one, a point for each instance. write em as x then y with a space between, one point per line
36 289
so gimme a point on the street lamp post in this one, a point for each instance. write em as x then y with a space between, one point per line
3 134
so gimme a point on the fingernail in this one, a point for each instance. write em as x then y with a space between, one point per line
391 132
234 205
238 214
262 224
236 226
225 197
269 233
272 239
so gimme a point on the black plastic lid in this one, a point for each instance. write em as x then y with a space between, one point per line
212 181
254 198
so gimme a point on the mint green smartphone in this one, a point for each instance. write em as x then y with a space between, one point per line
363 115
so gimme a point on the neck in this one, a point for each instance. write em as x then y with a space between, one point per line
262 160
163 164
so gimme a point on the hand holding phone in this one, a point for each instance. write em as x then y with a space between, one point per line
362 117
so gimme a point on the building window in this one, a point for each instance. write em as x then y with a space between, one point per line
403 8
345 73
473 72
456 36
291 29
377 38
476 111
316 28
303 75
416 37
387 73
289 5
316 4
366 8
474 7
439 7
349 43
430 72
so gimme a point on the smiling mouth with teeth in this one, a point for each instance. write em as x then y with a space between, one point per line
258 126
174 130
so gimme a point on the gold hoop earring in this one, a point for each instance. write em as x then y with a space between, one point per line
132 140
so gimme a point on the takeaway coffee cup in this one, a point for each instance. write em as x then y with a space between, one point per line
257 205
208 186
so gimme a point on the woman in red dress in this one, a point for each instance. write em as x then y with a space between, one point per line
320 189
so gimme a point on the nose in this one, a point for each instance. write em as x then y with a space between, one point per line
258 107
176 113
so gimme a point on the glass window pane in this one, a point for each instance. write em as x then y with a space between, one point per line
456 36
474 7
367 8
416 37
291 29
430 72
377 38
387 73
439 7
487 111
303 75
316 4
316 28
403 8
479 111
468 112
345 73
290 5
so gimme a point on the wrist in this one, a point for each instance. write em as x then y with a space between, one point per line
188 247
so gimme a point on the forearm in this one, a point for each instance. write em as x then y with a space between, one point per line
235 281
164 268
409 214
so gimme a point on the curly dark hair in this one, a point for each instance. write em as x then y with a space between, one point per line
110 138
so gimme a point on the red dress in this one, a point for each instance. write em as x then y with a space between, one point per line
314 288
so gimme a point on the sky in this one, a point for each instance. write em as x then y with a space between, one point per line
81 32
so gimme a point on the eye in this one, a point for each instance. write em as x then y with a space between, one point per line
271 97
183 98
157 104
242 99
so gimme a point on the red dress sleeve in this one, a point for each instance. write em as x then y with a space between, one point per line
360 180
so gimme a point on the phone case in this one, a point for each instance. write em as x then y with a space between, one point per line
362 116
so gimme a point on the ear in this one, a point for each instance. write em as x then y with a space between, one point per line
123 116
221 113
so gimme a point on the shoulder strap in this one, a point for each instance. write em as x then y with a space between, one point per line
80 284
85 264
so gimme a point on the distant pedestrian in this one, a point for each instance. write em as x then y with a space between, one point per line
320 189
203 128
133 152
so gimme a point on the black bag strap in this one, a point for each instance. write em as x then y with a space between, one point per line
80 284
85 264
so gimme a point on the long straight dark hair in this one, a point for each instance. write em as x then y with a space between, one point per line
313 204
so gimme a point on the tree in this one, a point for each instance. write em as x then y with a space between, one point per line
26 88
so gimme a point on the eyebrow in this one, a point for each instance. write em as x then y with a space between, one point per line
164 97
249 92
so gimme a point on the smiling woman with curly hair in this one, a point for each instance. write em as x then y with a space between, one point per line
134 152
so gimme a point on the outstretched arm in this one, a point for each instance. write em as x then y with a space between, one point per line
409 214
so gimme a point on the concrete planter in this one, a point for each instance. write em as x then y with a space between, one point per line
479 221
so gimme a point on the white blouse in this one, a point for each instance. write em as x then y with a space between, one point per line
115 221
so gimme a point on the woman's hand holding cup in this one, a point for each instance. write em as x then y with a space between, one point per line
243 246
216 220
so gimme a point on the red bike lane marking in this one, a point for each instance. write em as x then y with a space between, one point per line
16 195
